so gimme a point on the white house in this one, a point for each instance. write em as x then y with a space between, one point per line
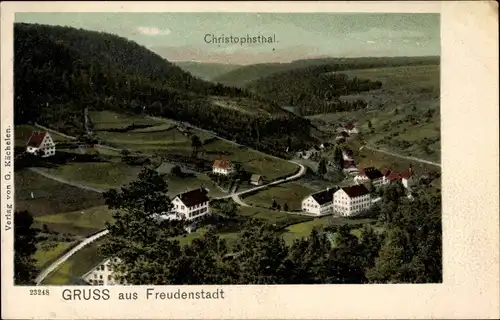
102 274
406 177
348 201
319 203
351 128
256 180
370 174
224 167
347 156
192 205
41 143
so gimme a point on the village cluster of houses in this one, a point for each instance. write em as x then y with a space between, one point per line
356 198
343 132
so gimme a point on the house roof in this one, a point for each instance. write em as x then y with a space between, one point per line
371 173
394 176
349 126
222 164
344 134
386 172
324 196
36 139
255 177
356 191
348 163
406 174
193 197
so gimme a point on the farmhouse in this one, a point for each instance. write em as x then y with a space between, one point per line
256 180
319 203
192 205
347 155
371 174
351 200
406 177
102 274
224 167
41 143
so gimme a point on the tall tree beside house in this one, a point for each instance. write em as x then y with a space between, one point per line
337 157
322 167
196 144
285 207
24 248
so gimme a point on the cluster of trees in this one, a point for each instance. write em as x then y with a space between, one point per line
276 206
313 90
404 246
60 71
25 239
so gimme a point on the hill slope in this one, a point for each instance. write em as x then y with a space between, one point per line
244 75
60 71
206 71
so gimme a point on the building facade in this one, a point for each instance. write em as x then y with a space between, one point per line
41 143
319 203
192 205
102 274
224 167
349 201
370 174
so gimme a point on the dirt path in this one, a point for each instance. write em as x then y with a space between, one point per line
404 157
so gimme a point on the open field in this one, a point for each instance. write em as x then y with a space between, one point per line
102 120
76 266
50 196
178 185
404 114
93 218
271 216
103 175
47 252
291 193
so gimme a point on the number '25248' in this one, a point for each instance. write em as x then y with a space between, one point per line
39 292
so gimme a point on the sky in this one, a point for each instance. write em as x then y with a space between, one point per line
187 36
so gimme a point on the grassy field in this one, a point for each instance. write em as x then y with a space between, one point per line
47 252
404 114
111 120
178 185
291 193
271 216
22 133
50 196
76 266
93 218
104 175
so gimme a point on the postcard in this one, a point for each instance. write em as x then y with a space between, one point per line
240 160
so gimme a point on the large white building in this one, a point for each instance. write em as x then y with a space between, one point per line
224 167
192 205
102 274
41 143
348 201
319 203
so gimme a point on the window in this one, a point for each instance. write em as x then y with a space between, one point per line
100 276
101 282
109 278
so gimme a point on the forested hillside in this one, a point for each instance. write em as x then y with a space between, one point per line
244 75
206 71
313 90
58 71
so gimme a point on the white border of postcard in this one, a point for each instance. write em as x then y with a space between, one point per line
469 112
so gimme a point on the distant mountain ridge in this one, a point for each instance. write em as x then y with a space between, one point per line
206 70
241 77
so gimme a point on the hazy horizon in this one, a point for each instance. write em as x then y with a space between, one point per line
203 37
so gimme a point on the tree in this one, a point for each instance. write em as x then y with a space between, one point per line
278 207
177 171
24 248
228 209
196 144
285 207
275 204
370 126
322 167
337 157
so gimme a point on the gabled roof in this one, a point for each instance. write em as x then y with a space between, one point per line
324 196
394 176
371 173
36 139
193 197
356 191
255 177
406 174
223 164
